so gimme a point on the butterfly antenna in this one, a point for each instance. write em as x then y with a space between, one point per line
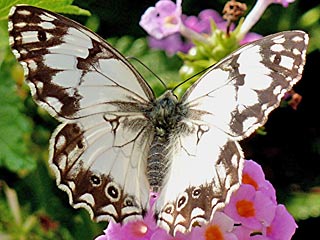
145 66
188 79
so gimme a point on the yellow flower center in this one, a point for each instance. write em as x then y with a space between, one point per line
170 21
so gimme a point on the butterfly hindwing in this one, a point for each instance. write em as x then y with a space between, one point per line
206 169
99 149
100 168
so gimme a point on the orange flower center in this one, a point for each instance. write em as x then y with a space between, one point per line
247 179
213 232
139 229
245 208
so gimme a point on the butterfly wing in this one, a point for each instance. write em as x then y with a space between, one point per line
248 84
98 151
225 105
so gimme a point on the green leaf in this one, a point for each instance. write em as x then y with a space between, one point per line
61 6
4 43
310 17
304 205
15 127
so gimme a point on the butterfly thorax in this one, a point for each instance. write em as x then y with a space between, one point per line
165 114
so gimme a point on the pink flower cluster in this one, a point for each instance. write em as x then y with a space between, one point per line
173 31
254 209
252 213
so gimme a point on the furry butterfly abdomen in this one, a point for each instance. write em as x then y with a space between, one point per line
117 141
165 116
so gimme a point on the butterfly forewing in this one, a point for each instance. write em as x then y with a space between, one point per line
99 149
110 135
241 90
67 65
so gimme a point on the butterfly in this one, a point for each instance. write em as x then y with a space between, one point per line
117 141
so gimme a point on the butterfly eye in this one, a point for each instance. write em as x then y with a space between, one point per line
95 180
112 191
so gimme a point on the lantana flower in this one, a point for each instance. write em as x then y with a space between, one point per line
171 44
221 227
167 26
201 23
162 20
253 174
252 213
175 43
283 225
250 208
255 210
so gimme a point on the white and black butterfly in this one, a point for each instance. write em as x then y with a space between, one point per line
117 141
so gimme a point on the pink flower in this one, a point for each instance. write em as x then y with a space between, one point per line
250 208
174 43
283 225
201 24
135 230
162 20
253 174
138 230
171 44
220 227
245 233
250 37
163 235
173 32
252 213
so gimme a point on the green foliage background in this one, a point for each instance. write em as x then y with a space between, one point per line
32 207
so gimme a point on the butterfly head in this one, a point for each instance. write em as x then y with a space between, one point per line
166 111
